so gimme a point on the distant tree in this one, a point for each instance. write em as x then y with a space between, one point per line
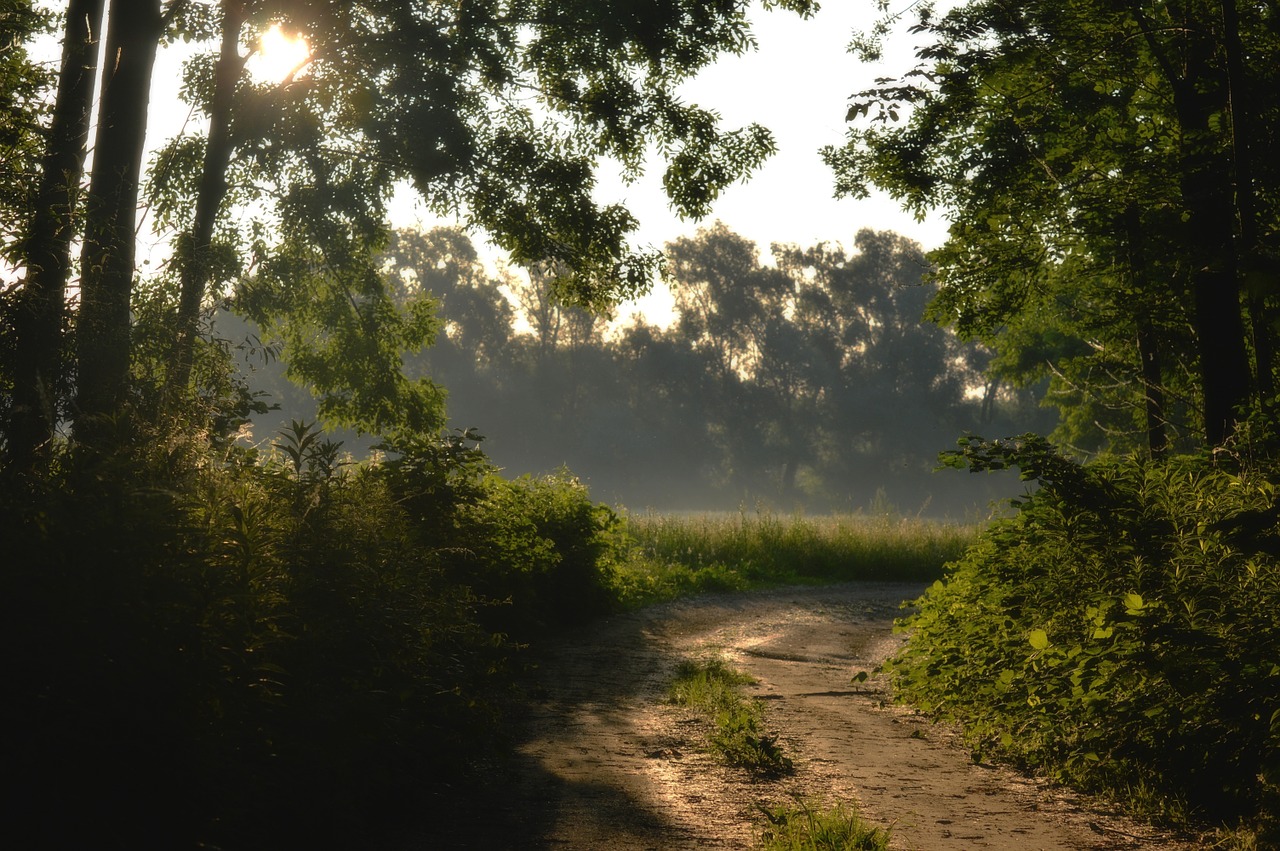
825 360
728 306
894 383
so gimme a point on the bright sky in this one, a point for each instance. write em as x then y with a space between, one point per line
797 84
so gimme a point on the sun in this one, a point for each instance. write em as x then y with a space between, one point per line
278 55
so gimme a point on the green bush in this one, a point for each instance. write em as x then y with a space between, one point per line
250 652
1120 632
536 550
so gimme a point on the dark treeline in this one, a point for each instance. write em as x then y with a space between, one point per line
809 384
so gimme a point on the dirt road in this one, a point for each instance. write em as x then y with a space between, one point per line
605 763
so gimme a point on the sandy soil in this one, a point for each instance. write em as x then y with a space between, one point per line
605 763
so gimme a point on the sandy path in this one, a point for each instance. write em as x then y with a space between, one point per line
605 763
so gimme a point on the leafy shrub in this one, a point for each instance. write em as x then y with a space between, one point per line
253 652
537 549
1119 632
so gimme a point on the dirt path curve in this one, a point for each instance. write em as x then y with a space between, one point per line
605 763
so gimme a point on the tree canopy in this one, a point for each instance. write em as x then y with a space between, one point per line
1112 159
502 112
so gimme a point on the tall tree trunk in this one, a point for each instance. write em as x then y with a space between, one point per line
1246 198
1148 341
1201 90
41 313
195 249
1225 376
107 259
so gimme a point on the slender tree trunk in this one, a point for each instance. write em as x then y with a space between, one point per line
789 470
1153 392
1246 198
41 314
1201 90
1148 341
107 259
1225 375
195 249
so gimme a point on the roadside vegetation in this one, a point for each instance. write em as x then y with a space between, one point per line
288 647
1119 634
283 649
666 556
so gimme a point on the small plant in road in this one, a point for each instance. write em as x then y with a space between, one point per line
739 735
802 827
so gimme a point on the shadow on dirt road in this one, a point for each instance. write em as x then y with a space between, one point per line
604 763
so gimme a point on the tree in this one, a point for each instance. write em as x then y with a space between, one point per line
890 384
730 310
43 226
501 110
134 28
1092 139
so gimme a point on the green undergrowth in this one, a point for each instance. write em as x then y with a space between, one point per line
284 649
288 648
738 734
804 827
1120 634
668 556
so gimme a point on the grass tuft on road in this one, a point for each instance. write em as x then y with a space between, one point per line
802 827
738 733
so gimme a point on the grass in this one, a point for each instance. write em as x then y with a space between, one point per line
663 557
738 733
802 827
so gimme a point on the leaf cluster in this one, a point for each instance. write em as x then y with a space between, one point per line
501 112
1065 147
1118 633
24 110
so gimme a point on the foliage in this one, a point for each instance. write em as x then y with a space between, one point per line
1110 181
276 643
498 113
810 384
805 827
23 85
1118 633
538 549
737 733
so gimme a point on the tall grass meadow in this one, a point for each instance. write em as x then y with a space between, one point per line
665 556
